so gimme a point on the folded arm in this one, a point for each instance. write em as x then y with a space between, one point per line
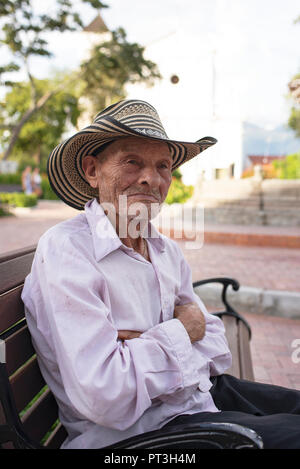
189 314
212 351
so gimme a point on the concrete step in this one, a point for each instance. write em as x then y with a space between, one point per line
232 236
253 239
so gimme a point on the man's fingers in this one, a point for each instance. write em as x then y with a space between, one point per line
126 335
192 319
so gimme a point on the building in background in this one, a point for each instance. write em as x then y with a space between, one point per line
93 33
263 161
198 97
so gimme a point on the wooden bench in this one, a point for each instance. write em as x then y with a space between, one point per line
29 413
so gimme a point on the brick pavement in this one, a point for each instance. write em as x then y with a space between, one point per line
272 352
27 226
254 266
258 266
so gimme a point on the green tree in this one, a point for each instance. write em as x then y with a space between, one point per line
294 119
177 174
41 132
24 35
114 63
178 192
289 168
294 87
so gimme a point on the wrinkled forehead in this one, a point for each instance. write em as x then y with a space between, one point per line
140 145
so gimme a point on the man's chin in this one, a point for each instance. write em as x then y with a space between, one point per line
144 210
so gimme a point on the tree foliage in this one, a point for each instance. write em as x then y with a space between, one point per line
24 36
294 118
113 64
178 192
40 134
289 168
25 30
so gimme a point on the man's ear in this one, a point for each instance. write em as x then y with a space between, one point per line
89 166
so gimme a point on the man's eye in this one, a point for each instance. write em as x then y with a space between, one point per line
132 162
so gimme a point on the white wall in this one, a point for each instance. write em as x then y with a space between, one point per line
188 109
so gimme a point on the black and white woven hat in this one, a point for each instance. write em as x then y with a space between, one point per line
124 119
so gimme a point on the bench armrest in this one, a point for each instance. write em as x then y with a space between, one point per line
229 311
199 435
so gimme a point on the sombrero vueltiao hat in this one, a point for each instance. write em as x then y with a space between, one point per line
128 118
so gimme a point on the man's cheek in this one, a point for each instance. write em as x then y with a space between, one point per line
166 183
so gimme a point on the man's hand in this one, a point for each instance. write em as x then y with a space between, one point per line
189 314
193 320
126 335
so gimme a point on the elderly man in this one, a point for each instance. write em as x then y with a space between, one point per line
122 340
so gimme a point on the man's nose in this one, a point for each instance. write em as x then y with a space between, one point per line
150 176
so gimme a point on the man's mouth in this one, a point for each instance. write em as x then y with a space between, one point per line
144 196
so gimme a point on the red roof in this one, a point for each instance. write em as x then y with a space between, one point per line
258 159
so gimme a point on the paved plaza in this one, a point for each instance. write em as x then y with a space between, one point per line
261 266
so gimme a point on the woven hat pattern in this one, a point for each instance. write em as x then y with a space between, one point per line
124 119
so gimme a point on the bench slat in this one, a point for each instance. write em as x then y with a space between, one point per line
246 365
6 256
18 349
41 416
11 308
14 271
232 337
26 384
56 438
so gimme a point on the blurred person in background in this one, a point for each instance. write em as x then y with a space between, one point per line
26 180
36 182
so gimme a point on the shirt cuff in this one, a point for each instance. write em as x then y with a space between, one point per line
181 343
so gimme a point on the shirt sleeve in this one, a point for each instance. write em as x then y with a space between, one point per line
107 381
212 352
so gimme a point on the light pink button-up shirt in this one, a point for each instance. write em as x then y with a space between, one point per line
82 289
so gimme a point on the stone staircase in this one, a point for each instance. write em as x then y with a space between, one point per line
251 201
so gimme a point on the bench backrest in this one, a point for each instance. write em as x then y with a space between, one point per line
34 404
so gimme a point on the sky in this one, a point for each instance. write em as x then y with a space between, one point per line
253 46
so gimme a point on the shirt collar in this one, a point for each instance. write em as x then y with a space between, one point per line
104 235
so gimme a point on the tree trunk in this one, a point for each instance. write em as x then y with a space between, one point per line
36 107
37 155
17 129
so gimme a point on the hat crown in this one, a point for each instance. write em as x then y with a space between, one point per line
135 114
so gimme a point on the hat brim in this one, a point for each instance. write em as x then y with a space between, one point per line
64 166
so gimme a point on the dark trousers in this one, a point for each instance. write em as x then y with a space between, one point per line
272 411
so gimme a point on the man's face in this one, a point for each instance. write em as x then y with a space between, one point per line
138 169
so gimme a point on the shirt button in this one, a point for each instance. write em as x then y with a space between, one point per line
204 385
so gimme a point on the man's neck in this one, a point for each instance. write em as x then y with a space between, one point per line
136 244
130 231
